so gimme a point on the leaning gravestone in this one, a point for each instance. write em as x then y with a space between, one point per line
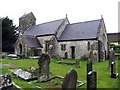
70 80
111 58
5 81
44 70
91 80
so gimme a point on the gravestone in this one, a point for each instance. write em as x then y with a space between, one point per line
91 56
24 75
67 63
89 66
113 71
92 80
90 60
44 70
111 58
5 81
70 80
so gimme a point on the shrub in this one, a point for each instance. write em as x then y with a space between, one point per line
84 57
117 49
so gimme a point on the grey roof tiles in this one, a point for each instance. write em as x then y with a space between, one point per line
82 30
44 29
77 31
32 41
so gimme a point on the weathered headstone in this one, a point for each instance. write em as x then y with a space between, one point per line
89 67
5 81
44 71
70 80
111 58
113 71
91 80
91 56
90 60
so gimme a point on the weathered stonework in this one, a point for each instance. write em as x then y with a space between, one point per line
62 27
49 43
102 38
52 45
44 72
25 22
20 48
81 48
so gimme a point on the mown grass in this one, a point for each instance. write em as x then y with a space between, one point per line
103 75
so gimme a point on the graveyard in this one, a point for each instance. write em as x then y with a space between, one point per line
58 71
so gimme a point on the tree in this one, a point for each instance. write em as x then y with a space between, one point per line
8 35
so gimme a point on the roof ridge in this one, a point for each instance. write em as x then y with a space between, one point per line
85 21
49 22
114 33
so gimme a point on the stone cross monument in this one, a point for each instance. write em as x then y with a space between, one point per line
44 70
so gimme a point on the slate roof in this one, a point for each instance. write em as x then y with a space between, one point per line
44 29
80 31
32 42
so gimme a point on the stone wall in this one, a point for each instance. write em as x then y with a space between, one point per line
25 22
52 44
62 27
20 50
24 49
81 48
102 37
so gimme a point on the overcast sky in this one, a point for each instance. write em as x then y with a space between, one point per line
77 10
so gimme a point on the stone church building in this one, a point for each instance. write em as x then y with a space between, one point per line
61 39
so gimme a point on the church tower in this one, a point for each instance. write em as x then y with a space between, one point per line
26 21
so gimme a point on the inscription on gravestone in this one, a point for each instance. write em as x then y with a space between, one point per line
70 80
44 71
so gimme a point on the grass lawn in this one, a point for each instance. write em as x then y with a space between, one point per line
103 75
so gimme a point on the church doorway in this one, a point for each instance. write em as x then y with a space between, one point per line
72 52
20 48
